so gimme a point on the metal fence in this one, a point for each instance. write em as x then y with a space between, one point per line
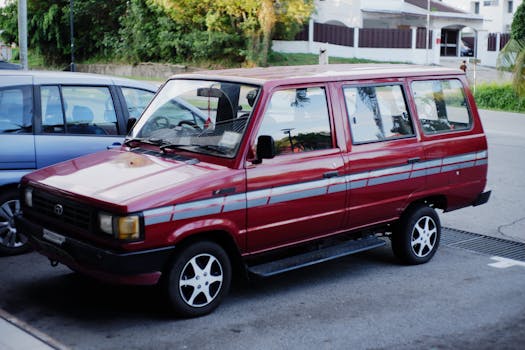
368 37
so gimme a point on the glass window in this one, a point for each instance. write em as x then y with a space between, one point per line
298 120
377 113
136 100
201 116
441 106
89 110
51 107
16 104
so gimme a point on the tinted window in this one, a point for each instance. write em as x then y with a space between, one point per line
441 106
16 103
136 100
377 113
298 120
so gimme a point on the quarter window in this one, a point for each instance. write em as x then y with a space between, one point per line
16 103
441 106
298 120
377 113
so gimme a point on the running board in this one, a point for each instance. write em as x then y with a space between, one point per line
316 256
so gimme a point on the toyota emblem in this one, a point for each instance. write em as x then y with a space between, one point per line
58 209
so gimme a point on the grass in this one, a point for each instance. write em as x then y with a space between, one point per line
296 59
501 97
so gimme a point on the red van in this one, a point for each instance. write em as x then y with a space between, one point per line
263 171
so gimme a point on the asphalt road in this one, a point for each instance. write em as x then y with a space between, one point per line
367 301
460 300
504 215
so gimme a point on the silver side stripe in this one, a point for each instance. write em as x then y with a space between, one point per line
310 189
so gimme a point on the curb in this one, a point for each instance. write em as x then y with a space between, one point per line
32 335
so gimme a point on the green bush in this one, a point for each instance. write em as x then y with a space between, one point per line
499 97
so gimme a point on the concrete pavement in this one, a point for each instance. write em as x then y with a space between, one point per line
18 335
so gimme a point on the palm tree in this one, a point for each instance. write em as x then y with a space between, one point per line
512 56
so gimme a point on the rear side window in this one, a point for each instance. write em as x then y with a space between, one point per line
16 105
298 120
377 113
137 100
441 106
78 110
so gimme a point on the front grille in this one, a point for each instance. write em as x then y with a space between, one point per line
73 213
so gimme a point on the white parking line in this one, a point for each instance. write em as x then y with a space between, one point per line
503 263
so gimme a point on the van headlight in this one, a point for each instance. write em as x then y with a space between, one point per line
125 228
28 196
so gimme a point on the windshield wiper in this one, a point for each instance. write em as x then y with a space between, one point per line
151 141
215 148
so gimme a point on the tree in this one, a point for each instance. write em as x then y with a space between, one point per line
246 26
96 30
512 56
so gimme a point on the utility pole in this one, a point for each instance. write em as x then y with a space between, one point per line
72 35
22 33
427 32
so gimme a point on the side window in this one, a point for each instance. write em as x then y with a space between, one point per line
377 113
441 106
136 100
16 105
52 113
89 110
298 120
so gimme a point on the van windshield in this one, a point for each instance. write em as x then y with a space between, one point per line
198 115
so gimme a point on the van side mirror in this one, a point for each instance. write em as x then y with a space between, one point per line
130 124
265 148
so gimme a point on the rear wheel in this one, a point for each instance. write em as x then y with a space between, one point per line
11 240
416 237
198 279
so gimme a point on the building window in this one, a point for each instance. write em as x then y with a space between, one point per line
510 6
491 3
476 7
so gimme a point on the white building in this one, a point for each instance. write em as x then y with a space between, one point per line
453 29
497 14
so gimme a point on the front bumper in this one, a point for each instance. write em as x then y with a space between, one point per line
138 268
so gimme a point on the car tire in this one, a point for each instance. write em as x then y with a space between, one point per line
416 236
198 279
11 240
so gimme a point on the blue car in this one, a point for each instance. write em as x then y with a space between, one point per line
49 117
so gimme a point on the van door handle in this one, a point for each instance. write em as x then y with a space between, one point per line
330 174
413 160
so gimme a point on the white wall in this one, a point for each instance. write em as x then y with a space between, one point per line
344 11
497 18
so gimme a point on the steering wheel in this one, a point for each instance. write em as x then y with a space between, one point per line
160 122
189 124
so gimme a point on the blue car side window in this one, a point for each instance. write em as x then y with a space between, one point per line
16 104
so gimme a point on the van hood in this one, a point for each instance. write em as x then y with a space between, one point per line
122 177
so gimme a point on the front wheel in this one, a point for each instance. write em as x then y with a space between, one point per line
11 240
416 236
198 279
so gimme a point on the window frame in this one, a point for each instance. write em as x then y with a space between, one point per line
267 100
467 106
38 118
372 84
25 89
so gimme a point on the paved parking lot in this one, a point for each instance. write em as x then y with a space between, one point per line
465 298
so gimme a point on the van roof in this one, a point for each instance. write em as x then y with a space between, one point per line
317 73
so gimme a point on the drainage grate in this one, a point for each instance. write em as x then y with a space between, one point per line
483 244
